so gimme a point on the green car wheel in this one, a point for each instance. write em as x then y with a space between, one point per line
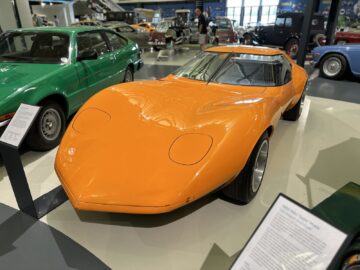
48 128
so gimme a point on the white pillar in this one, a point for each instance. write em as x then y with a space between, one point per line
7 15
70 13
24 13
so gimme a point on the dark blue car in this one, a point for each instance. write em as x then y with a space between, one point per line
334 61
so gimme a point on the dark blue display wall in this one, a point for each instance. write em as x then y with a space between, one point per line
216 8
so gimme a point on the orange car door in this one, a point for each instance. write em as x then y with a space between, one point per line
287 88
285 92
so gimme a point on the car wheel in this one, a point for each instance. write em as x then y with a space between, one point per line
129 75
333 66
246 185
292 47
156 48
294 113
48 128
247 39
319 40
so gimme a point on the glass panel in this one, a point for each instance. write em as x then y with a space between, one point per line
254 14
251 70
272 14
202 66
237 12
91 41
272 2
288 22
233 3
37 47
280 22
230 13
116 42
265 15
251 3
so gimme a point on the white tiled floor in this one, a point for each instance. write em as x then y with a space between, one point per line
309 160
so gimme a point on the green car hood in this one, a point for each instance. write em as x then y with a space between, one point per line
15 78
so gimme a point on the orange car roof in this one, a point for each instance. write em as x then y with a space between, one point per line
246 49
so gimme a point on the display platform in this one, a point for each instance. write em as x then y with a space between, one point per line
309 160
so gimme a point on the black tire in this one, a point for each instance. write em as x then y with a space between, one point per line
292 47
48 128
156 48
339 59
129 75
248 39
294 113
241 189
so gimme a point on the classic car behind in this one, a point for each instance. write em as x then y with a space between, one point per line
59 69
140 36
87 23
169 31
225 31
334 61
165 143
343 37
286 32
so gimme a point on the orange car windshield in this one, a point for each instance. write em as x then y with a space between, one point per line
202 66
235 69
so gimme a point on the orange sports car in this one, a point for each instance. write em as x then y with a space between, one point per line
146 26
154 146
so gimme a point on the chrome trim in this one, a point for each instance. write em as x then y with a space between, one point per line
5 123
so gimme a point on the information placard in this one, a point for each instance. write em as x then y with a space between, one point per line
290 237
19 124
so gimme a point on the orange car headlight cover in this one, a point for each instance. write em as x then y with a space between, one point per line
189 149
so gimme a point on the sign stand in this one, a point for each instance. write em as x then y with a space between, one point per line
35 208
11 157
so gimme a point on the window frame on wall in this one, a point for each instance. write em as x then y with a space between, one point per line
252 11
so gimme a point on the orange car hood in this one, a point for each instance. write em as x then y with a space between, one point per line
117 148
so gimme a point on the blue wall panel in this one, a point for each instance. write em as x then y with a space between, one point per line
215 8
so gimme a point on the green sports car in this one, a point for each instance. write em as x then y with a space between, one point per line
59 69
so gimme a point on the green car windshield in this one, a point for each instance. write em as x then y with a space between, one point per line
34 47
236 69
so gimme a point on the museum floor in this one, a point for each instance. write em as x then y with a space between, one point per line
309 160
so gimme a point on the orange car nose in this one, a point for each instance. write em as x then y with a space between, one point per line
131 176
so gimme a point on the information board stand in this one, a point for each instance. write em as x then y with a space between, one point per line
289 237
14 134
